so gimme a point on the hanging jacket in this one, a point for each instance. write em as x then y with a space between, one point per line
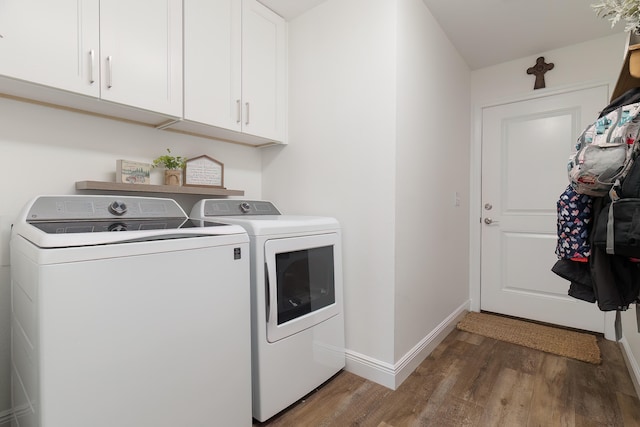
613 281
615 278
579 274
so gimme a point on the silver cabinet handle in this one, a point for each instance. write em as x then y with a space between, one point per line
238 111
109 72
92 58
267 295
247 118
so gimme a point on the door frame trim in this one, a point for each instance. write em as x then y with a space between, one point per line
475 186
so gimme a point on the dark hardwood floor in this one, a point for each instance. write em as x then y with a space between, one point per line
470 380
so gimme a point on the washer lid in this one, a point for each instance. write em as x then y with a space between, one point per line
69 221
102 233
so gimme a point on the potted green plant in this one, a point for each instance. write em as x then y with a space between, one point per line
173 166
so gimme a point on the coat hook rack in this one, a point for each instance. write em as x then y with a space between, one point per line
630 73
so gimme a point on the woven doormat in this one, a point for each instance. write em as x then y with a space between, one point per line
577 345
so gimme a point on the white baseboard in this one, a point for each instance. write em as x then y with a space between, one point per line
369 368
391 376
632 364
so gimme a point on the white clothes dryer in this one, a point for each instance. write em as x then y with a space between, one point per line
296 299
126 314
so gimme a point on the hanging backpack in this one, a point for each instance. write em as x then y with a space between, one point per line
618 227
604 151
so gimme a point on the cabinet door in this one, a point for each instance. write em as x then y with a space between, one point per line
212 68
141 54
263 71
53 43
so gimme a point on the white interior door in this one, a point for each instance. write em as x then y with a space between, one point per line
525 147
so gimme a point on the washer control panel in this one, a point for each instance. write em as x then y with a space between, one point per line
78 208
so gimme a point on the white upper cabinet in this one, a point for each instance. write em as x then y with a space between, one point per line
141 54
127 52
222 75
212 62
53 43
235 71
263 71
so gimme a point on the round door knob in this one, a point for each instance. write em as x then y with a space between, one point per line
489 221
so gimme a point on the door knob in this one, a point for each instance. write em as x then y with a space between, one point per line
489 221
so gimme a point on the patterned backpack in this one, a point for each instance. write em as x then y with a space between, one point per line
605 151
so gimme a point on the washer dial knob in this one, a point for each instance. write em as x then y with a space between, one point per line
245 207
118 208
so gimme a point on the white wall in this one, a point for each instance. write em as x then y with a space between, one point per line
631 342
45 151
376 125
432 165
594 61
379 138
340 157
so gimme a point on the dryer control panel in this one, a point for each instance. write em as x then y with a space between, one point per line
218 207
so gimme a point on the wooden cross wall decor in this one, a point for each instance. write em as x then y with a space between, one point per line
538 70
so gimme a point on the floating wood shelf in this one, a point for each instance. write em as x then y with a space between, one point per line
148 188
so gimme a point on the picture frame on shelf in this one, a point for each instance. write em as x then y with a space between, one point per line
203 171
130 172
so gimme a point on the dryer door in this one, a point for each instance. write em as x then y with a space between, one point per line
304 285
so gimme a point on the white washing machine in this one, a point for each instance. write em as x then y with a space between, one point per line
296 299
126 314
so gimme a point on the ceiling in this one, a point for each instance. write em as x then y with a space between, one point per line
511 29
489 32
289 9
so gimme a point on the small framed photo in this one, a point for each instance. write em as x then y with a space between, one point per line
130 172
204 171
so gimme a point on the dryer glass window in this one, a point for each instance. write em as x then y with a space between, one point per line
305 282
